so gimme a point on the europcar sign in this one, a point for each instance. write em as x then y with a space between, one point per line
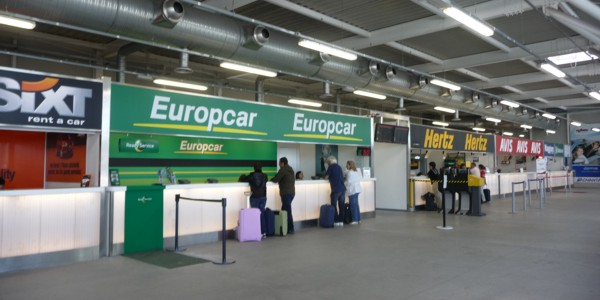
143 110
49 101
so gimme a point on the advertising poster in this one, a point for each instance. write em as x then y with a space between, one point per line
65 157
585 144
323 152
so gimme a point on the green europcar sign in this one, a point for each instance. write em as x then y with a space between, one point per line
144 110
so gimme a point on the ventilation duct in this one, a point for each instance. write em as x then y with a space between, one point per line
170 14
256 37
183 64
224 36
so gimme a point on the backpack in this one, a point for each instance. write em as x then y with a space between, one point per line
429 201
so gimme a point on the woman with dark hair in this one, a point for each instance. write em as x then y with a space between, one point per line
299 175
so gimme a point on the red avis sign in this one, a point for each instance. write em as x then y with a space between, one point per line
510 145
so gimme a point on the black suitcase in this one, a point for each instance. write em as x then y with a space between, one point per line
270 222
347 213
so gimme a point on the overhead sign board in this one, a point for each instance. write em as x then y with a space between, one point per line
425 137
509 145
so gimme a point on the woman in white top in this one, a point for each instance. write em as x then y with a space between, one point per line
353 188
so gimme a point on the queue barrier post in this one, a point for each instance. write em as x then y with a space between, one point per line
223 202
513 196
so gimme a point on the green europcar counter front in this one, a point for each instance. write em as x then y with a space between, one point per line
143 218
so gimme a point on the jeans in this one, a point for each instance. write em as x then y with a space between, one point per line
337 201
260 203
354 207
286 204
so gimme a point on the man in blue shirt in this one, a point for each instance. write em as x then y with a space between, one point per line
338 189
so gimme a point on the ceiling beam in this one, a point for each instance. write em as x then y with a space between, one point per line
227 4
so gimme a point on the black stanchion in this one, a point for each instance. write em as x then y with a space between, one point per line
223 202
224 260
443 190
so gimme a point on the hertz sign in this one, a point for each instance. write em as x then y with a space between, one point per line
455 140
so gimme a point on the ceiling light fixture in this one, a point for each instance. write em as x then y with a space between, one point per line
507 133
510 103
521 135
180 84
595 129
553 70
526 126
247 69
478 129
444 109
305 102
575 123
572 58
19 23
327 49
445 84
550 131
468 21
493 120
595 95
369 94
444 124
548 116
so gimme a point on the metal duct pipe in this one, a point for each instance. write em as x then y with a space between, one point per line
259 86
588 31
223 36
122 54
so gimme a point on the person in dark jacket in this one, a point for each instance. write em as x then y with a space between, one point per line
287 180
335 175
258 198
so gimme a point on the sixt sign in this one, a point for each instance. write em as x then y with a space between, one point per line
49 101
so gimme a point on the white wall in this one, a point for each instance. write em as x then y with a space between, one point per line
390 168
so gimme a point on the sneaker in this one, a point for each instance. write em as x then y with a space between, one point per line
354 223
264 236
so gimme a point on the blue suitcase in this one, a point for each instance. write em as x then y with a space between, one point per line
326 216
270 222
487 194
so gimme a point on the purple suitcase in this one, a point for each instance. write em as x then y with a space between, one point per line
249 225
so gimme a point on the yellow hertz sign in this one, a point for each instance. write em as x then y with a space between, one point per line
449 141
438 140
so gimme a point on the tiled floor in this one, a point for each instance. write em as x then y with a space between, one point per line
552 253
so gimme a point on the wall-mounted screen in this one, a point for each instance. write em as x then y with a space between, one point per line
384 133
401 135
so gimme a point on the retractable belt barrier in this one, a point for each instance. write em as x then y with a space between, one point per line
223 202
540 190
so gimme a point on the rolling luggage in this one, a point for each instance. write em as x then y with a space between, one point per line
249 225
281 223
326 216
486 193
347 213
270 222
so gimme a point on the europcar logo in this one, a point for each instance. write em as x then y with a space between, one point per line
144 199
41 97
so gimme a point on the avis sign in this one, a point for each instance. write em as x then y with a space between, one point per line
510 145
49 101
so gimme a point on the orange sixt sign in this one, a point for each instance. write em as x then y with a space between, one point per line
38 100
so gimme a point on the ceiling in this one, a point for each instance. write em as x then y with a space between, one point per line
413 36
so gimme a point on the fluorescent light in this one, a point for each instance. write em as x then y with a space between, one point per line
550 131
595 129
448 110
553 70
445 84
572 58
14 22
595 95
548 116
575 123
440 123
510 103
180 84
469 21
521 135
369 94
247 69
507 133
417 157
526 126
493 120
305 102
327 49
478 129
